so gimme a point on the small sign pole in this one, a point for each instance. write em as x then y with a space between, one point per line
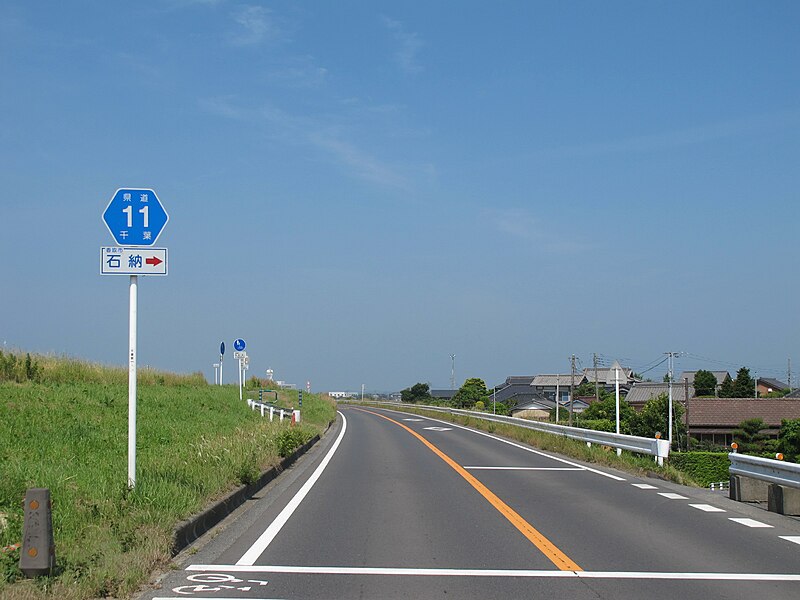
132 383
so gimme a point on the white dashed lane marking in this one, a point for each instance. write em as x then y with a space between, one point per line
671 496
749 522
795 539
644 486
707 508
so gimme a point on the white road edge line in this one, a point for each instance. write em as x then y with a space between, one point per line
521 447
295 570
257 549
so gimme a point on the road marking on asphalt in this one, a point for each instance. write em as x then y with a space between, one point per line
750 522
795 539
297 570
523 469
438 428
707 508
531 450
556 556
671 496
261 544
414 420
644 486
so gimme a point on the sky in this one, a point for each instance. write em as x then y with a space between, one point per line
360 189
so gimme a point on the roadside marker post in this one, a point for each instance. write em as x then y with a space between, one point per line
38 556
135 218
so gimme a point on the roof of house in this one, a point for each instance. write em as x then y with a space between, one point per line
561 380
729 412
518 380
535 404
720 375
775 384
443 393
519 392
641 392
607 375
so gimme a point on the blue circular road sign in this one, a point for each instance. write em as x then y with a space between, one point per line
239 345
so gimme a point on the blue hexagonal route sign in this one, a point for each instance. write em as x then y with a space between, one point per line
135 217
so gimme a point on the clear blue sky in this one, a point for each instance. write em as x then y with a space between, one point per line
360 189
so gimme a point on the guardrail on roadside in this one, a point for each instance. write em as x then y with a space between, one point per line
765 469
641 445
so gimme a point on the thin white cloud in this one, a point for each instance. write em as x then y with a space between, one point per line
522 225
254 25
409 46
313 132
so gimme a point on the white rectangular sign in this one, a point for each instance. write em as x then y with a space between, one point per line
115 260
240 355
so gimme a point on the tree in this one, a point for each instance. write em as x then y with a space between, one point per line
606 409
743 385
726 389
655 418
789 439
749 436
419 392
704 383
474 390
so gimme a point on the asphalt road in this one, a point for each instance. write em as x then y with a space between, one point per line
391 505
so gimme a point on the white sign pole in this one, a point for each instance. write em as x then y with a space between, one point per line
240 379
132 383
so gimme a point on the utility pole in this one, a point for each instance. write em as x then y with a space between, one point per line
596 384
571 390
686 395
671 356
452 371
789 373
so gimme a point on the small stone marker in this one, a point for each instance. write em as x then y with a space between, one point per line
38 556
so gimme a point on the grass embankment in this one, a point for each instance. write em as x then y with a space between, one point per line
631 463
67 431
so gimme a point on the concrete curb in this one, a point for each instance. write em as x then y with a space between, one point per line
190 530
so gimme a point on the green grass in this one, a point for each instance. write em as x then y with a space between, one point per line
67 431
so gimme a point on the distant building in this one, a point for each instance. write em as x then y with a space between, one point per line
443 394
641 392
548 385
342 394
715 419
606 377
766 386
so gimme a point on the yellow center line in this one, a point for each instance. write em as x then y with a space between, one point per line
548 548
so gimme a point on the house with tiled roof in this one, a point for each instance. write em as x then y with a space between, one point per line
606 377
516 390
641 392
715 419
548 385
767 385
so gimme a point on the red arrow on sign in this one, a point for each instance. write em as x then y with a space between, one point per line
155 261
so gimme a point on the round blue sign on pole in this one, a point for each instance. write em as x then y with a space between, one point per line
239 344
222 348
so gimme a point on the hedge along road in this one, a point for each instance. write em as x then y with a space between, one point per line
393 505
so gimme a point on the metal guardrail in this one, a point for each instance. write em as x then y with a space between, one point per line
765 469
633 443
